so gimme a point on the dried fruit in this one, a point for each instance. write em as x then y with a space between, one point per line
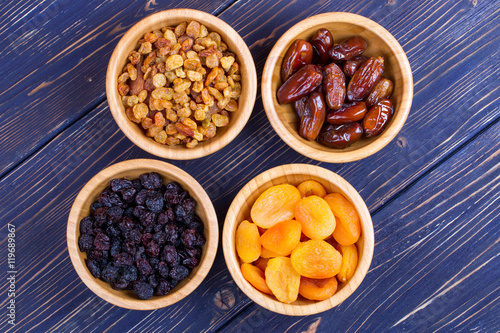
349 112
316 259
266 254
261 263
304 81
340 136
248 242
311 187
365 78
348 49
140 242
315 217
351 66
274 205
349 262
322 42
348 228
377 117
382 90
314 117
334 86
256 277
299 54
317 289
282 279
282 237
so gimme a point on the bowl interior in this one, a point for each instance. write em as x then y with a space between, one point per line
380 43
133 169
294 175
235 44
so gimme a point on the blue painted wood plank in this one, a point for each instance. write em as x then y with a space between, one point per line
53 63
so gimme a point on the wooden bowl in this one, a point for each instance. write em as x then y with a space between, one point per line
235 44
380 43
294 174
132 169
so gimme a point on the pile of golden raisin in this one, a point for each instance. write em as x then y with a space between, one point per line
180 84
299 240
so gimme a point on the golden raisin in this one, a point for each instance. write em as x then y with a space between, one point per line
274 205
140 110
317 289
282 237
256 277
348 228
248 242
349 262
282 279
316 259
311 187
315 216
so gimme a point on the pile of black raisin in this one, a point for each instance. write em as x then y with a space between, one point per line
142 235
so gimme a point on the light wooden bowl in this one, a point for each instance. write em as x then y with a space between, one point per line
380 43
132 169
294 174
245 102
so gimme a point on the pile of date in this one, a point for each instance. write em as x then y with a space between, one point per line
339 94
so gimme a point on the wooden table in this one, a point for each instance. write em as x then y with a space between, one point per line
433 192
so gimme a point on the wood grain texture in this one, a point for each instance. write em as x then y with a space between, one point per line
54 64
437 257
453 51
132 169
294 174
246 100
284 118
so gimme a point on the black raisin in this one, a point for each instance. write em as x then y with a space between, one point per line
146 238
110 273
151 181
123 259
163 269
113 231
191 237
100 215
94 268
86 242
194 252
109 199
126 224
143 290
120 184
153 280
116 246
129 273
115 213
140 198
119 284
144 267
170 255
136 236
163 287
153 249
154 201
101 242
129 247
148 219
179 273
191 262
160 237
128 194
96 205
86 225
189 205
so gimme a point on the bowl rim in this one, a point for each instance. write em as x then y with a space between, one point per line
210 146
337 156
232 262
192 186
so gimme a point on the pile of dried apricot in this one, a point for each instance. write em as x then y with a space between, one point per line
299 240
338 93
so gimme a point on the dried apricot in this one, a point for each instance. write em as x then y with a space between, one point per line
282 237
265 253
282 279
274 205
349 262
248 242
348 228
256 277
316 259
261 263
311 187
315 216
317 289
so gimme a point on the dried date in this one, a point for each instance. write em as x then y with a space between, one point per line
298 55
300 84
334 86
300 106
340 136
312 121
351 66
383 89
322 42
377 118
348 49
365 78
349 112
